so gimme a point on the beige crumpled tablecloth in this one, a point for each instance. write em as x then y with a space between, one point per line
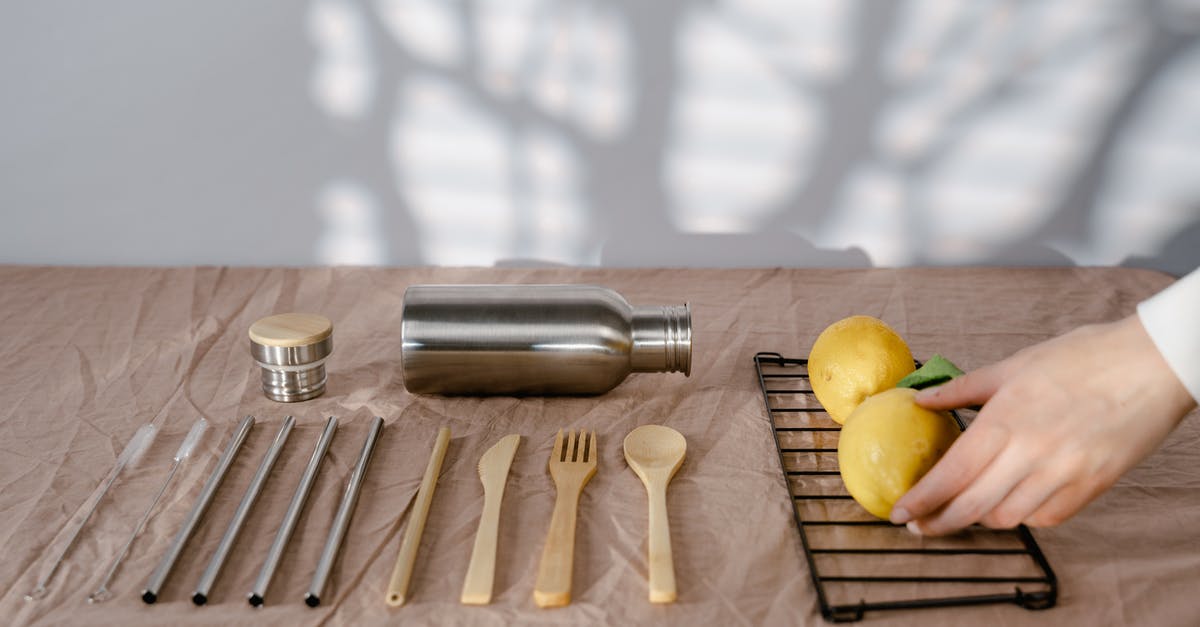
90 354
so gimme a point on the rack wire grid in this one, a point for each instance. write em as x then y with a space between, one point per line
861 564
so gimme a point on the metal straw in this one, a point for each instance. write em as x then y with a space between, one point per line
243 510
159 576
341 521
133 451
293 514
190 441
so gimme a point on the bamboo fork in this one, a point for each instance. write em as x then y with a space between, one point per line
572 464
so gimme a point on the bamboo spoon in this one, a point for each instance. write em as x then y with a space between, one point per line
402 573
655 452
493 472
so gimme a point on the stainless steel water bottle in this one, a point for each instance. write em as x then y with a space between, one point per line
535 339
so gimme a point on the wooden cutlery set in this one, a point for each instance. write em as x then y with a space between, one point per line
653 452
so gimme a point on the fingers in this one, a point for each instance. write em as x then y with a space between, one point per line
1041 498
973 388
981 497
1020 504
967 458
1065 503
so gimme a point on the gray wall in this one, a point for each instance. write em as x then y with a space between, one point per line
615 133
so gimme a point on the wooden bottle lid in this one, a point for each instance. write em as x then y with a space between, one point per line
291 329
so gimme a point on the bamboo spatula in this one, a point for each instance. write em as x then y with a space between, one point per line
493 472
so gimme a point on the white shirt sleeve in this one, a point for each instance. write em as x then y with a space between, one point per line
1172 318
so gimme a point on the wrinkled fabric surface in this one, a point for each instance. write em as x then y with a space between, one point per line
89 354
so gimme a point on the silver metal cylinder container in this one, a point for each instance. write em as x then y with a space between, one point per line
535 339
291 349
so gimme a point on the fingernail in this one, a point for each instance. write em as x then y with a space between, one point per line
913 528
900 516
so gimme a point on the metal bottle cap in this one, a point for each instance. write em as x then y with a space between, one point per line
291 348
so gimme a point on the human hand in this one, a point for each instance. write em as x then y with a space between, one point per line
1061 421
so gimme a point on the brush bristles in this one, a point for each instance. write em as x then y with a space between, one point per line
137 445
192 439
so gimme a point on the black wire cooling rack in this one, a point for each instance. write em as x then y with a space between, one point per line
861 564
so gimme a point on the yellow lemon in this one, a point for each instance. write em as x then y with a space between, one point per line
888 444
854 358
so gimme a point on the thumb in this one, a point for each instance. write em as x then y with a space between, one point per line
973 388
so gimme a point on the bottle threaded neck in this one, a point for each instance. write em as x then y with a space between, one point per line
662 339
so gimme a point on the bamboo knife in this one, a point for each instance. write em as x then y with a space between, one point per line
493 472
